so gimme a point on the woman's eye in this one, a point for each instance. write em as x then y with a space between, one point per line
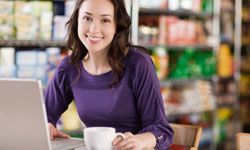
87 18
105 20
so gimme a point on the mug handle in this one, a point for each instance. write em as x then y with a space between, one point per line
119 134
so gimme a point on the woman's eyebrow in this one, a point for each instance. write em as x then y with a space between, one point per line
106 15
103 15
88 13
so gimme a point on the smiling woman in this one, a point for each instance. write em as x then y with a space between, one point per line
112 82
96 30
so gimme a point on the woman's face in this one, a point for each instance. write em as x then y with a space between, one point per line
96 25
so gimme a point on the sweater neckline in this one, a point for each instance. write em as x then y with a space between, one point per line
104 76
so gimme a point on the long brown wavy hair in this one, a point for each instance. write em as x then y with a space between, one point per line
118 45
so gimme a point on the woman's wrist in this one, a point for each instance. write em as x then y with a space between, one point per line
148 139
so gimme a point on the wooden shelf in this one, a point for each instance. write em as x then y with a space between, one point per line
32 43
179 13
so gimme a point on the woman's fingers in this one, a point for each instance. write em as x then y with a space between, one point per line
124 142
128 146
127 143
128 134
55 133
66 136
117 140
60 134
51 130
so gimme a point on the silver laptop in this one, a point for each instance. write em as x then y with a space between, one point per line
23 120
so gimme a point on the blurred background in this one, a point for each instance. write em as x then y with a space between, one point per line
200 49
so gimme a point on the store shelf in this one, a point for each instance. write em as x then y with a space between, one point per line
245 21
182 47
230 105
226 41
174 116
245 97
245 43
225 94
180 13
169 82
228 10
224 79
32 43
245 72
187 112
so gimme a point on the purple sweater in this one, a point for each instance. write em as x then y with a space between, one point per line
135 104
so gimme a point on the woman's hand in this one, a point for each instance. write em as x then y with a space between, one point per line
54 133
135 142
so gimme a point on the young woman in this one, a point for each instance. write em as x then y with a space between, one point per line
112 82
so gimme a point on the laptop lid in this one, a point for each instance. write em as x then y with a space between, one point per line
23 121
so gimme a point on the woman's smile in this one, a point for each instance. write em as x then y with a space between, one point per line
94 39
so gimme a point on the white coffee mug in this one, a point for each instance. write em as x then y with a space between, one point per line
100 138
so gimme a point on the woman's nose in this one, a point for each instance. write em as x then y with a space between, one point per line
95 27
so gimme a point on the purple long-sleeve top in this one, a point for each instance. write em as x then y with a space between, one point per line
133 105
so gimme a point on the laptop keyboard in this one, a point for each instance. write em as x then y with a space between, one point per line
67 144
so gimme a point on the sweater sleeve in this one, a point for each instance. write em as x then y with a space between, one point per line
58 93
150 103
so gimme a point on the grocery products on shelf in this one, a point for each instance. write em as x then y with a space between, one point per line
225 61
189 98
6 20
161 62
192 64
186 63
225 91
171 30
244 81
173 5
34 20
7 62
225 128
227 21
180 36
30 63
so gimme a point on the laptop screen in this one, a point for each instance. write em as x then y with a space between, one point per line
23 122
